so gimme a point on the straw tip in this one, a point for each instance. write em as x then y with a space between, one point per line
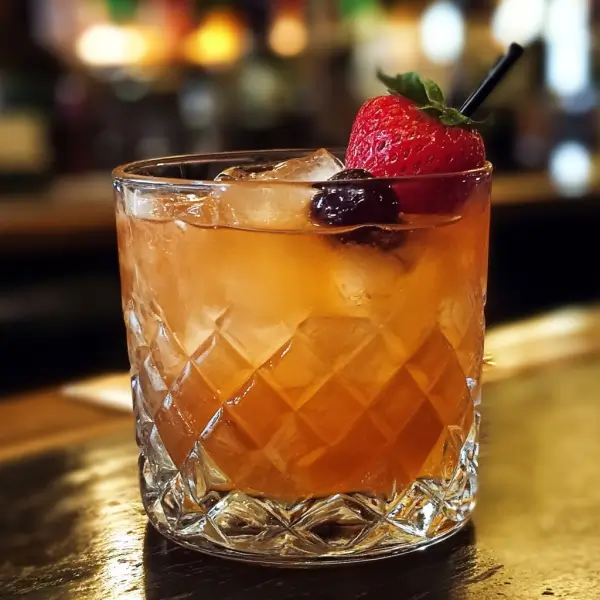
493 78
516 49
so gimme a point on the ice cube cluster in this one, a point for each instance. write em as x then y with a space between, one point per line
254 205
318 166
284 206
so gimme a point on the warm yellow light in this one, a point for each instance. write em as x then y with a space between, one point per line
220 39
288 35
157 49
107 45
110 45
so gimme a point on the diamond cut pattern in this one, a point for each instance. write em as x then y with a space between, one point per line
167 354
221 365
242 409
194 398
242 417
371 367
396 403
255 338
430 361
357 522
334 340
295 444
417 439
333 397
295 370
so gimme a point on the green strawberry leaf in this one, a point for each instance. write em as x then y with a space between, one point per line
427 95
410 85
433 91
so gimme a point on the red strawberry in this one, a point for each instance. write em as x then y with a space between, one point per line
413 132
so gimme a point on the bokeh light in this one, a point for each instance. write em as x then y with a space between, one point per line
568 47
442 32
111 45
107 45
288 35
519 21
571 167
220 39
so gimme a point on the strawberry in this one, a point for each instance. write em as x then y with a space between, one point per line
411 131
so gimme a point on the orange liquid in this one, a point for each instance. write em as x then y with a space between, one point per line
298 366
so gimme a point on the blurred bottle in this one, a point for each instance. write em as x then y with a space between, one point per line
28 77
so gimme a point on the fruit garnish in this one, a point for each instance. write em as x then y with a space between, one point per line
349 204
411 131
351 174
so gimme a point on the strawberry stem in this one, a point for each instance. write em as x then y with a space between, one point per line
427 95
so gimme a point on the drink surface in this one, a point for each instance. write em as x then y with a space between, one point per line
292 365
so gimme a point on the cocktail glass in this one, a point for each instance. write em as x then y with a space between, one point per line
303 394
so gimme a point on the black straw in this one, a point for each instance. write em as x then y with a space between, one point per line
487 77
492 79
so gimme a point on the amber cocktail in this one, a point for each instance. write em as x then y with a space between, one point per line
303 393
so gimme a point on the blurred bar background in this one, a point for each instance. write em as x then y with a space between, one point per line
88 84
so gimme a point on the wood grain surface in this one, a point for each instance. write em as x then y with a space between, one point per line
72 526
37 422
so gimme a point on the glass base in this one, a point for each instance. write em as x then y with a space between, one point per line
337 529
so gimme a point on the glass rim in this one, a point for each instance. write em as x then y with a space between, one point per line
130 172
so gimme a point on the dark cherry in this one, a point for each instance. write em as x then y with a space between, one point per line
350 174
345 202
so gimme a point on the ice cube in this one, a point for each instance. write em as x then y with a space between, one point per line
140 204
257 206
363 280
155 205
318 166
242 172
